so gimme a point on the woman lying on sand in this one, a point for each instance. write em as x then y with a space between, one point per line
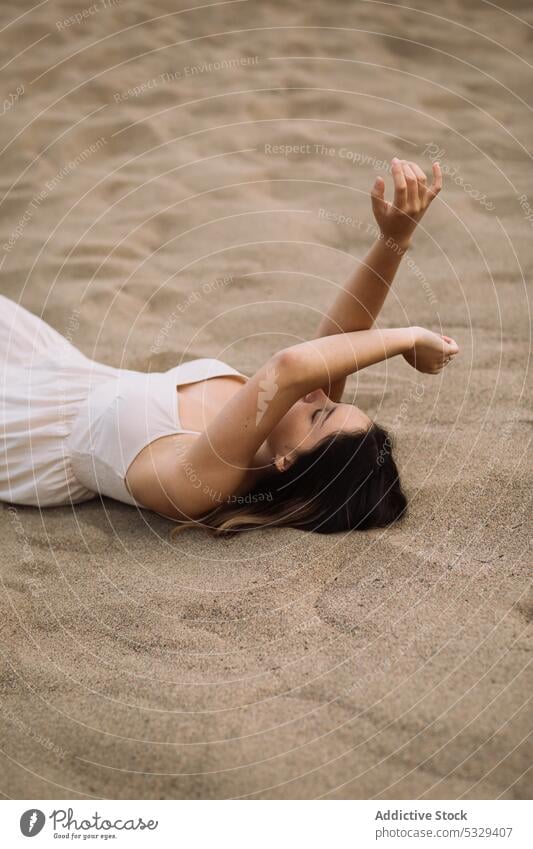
201 443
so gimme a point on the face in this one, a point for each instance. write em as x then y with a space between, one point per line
308 422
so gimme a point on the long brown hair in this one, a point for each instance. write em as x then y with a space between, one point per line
348 481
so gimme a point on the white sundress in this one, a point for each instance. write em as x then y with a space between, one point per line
70 426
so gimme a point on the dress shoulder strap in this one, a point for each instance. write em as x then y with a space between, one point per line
196 371
202 369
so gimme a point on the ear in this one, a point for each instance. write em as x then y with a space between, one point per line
282 463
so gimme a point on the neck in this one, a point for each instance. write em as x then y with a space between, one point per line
260 465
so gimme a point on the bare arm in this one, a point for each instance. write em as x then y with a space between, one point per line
329 359
359 303
216 464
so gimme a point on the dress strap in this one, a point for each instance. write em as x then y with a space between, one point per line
194 372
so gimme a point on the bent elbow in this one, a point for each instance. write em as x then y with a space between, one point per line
290 366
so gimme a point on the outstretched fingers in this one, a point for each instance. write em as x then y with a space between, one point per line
412 187
436 185
379 204
422 182
400 184
398 219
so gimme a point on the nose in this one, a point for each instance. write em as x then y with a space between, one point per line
313 397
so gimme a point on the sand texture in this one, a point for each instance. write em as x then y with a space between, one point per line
149 213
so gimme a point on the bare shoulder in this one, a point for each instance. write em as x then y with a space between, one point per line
184 476
155 477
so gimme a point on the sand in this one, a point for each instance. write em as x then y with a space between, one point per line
150 214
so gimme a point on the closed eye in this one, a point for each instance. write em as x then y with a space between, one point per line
321 410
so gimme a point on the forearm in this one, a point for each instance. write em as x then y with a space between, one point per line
330 359
358 304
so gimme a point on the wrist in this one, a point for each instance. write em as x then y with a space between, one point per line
399 340
407 338
413 336
394 245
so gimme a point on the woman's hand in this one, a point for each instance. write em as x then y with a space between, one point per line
412 196
430 352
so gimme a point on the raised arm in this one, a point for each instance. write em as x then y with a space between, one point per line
216 464
358 304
